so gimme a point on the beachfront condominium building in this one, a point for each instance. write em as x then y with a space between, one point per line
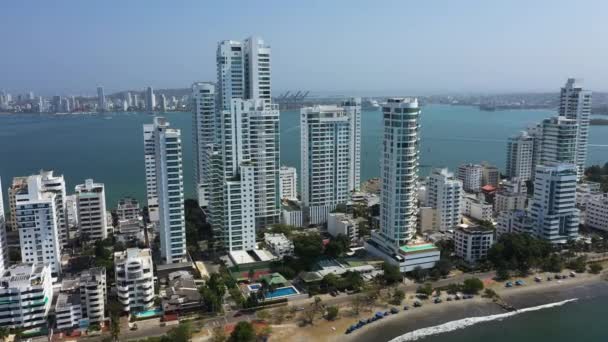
93 295
520 156
490 175
553 206
289 182
91 204
400 161
472 242
3 244
511 195
243 71
597 212
170 193
128 209
163 103
327 160
204 133
557 141
82 300
444 195
471 177
394 241
27 294
575 104
19 183
352 107
150 100
134 279
245 154
101 100
247 170
38 220
150 132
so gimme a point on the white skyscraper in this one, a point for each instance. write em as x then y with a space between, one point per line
289 182
243 70
91 204
444 194
244 191
163 103
38 221
150 100
327 159
399 163
150 131
575 104
204 134
352 107
394 241
101 100
553 207
3 246
170 193
557 141
520 156
471 176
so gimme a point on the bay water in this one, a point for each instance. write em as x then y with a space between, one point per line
109 147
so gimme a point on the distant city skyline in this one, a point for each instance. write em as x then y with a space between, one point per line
343 47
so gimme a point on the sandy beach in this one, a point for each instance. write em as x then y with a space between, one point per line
532 294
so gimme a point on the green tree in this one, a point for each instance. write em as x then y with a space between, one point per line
308 247
595 268
553 263
398 297
579 264
444 266
332 313
425 289
243 332
419 274
181 333
472 286
391 273
338 246
219 335
114 326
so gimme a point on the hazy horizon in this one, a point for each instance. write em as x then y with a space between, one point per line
350 47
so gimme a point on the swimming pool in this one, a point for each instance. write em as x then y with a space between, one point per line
148 313
282 292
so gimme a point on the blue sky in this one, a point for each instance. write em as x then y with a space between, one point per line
391 47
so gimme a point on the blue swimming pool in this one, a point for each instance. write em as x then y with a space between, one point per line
282 292
149 313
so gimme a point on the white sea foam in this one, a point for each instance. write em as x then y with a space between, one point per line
467 322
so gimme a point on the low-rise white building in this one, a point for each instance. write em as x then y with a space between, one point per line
93 294
128 209
279 244
586 191
134 279
291 213
343 224
26 294
477 209
472 243
514 221
512 195
597 212
68 311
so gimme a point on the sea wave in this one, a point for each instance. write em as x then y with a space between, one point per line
467 322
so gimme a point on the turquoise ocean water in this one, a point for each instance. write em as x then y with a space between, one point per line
109 148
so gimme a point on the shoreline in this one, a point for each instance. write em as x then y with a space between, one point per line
583 287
